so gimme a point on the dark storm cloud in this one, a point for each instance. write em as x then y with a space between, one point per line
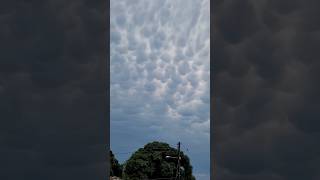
266 89
52 89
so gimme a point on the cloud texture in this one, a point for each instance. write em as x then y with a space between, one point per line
160 75
266 89
52 90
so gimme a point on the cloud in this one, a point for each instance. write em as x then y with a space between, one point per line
166 55
52 92
265 86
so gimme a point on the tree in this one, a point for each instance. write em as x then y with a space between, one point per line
150 162
115 168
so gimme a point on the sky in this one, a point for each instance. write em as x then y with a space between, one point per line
160 68
52 90
266 83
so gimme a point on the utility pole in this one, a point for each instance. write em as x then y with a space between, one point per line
178 176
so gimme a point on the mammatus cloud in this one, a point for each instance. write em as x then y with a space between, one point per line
266 74
52 90
160 73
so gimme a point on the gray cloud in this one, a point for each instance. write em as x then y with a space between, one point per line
265 86
169 93
52 92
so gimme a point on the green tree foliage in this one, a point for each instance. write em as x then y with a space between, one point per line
149 162
115 168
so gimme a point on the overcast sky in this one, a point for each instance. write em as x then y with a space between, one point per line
160 77
52 90
266 79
